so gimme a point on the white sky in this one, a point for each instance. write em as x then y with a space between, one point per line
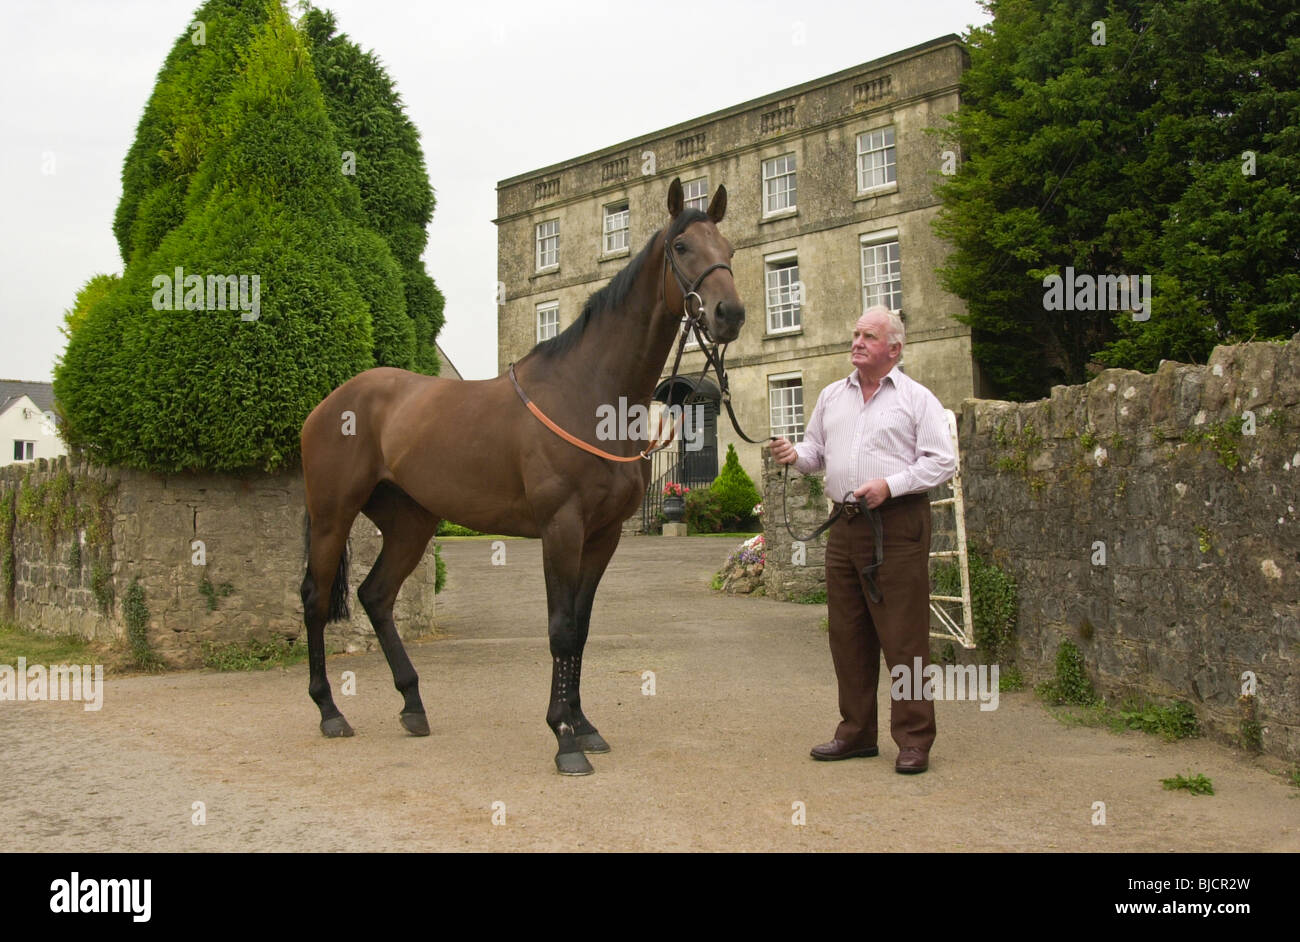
496 89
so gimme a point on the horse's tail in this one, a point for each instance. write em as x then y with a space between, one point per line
338 610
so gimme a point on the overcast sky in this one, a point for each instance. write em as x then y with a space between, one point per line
496 89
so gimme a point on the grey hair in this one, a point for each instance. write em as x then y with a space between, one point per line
897 333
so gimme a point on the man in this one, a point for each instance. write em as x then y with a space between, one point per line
881 436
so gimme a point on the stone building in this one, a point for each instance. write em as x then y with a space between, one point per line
831 200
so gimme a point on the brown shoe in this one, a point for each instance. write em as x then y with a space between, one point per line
912 760
839 749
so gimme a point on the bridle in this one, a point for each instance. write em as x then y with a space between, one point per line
690 321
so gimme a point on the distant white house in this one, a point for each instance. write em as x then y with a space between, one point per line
27 426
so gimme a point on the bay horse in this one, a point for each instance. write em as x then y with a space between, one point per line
409 451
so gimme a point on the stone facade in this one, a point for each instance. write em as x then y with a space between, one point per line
820 124
129 524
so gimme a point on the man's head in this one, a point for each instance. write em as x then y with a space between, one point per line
878 339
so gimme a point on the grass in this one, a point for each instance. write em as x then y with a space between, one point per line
1171 722
732 534
815 597
42 649
253 655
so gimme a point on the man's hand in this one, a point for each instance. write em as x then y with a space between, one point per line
876 492
783 451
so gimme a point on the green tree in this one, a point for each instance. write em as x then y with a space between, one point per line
91 293
385 164
175 386
1113 153
737 495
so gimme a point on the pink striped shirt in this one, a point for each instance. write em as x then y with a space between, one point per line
900 434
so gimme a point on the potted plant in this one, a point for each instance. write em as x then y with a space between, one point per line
675 501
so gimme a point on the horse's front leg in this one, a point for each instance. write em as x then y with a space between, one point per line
596 554
565 566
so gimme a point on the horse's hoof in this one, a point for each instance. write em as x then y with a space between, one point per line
573 763
592 742
416 724
336 726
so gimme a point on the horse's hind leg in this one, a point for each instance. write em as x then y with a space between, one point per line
407 529
326 565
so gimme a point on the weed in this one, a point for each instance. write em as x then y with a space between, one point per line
1174 722
813 597
253 655
1071 683
212 593
1196 784
136 614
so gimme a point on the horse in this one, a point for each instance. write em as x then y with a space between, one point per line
409 451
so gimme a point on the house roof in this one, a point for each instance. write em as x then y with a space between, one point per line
40 393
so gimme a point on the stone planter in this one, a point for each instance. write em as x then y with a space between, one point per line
674 509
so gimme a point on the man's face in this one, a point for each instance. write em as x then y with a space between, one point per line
872 353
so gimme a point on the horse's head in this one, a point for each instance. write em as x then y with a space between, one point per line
700 259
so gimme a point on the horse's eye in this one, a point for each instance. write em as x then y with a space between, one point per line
679 246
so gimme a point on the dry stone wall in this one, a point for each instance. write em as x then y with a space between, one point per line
74 537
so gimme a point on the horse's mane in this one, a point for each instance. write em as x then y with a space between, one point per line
613 294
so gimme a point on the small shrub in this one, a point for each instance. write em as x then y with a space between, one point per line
136 614
1196 784
704 511
814 597
1071 683
736 493
447 528
1174 722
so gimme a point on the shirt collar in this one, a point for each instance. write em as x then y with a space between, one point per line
857 383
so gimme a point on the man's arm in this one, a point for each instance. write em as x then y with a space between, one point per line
935 461
812 450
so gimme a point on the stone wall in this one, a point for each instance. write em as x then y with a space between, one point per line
75 536
1152 520
788 576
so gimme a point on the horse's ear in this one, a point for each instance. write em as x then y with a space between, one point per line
718 206
675 199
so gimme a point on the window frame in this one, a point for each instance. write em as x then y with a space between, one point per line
700 202
625 230
886 149
547 307
539 239
775 263
791 192
783 431
873 240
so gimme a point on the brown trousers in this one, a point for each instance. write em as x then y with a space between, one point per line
898 625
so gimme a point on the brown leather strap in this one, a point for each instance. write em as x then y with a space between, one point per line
574 440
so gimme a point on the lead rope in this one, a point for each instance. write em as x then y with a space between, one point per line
873 517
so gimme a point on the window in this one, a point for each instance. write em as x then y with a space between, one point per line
696 193
548 244
548 320
616 227
24 451
882 282
784 293
778 184
785 394
877 162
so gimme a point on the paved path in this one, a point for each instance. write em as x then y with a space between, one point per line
715 760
